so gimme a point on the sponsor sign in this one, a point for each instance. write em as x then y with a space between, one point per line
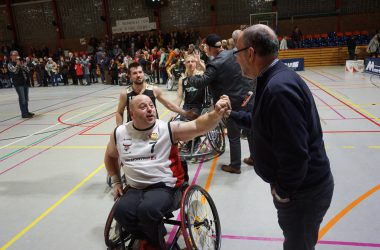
132 25
372 65
296 64
354 66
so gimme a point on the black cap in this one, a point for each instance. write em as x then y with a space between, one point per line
213 40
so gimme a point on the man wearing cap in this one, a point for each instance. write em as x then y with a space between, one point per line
223 76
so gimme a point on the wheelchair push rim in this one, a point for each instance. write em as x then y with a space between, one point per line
114 236
200 220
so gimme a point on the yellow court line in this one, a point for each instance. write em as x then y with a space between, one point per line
339 97
348 147
373 146
209 178
346 210
57 147
165 113
50 209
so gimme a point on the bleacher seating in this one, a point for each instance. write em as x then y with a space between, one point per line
323 56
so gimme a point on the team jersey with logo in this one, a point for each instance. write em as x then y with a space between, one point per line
148 91
149 156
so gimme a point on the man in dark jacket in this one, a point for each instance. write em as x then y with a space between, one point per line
223 77
288 147
19 75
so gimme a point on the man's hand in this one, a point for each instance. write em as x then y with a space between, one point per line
222 106
190 114
117 186
117 190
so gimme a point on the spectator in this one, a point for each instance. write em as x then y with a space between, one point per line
373 46
19 75
297 37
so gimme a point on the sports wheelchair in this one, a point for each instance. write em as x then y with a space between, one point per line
199 221
176 71
209 145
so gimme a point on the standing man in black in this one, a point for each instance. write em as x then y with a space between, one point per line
19 76
73 73
223 76
288 147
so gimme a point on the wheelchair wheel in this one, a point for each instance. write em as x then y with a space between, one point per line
114 236
199 220
217 139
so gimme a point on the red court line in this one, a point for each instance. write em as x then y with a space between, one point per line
319 98
360 113
322 242
37 115
14 125
70 124
35 155
95 125
97 134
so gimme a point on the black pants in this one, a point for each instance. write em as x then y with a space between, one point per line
300 218
140 212
233 134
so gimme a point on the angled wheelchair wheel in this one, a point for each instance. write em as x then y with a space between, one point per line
199 220
216 139
114 235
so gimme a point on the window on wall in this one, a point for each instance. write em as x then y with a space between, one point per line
81 18
359 6
237 12
34 23
123 10
179 14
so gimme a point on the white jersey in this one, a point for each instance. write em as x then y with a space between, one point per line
148 156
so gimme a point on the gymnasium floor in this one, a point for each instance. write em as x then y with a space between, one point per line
53 193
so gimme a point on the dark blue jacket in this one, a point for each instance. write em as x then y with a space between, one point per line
288 147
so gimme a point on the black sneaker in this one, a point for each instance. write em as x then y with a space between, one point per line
30 113
27 116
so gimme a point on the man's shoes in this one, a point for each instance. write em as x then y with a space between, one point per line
27 116
248 161
30 113
232 170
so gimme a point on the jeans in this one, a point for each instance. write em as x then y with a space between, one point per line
23 98
301 217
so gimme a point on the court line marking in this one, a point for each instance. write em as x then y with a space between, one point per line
321 242
346 102
52 126
345 211
35 155
50 209
45 139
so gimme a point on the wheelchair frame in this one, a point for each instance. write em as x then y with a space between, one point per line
194 228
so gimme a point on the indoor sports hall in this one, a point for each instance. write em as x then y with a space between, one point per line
65 63
53 181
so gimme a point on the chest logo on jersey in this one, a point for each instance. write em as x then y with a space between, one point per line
153 136
127 143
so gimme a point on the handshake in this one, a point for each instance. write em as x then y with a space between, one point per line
223 106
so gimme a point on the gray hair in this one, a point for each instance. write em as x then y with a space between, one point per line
13 52
235 35
262 39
